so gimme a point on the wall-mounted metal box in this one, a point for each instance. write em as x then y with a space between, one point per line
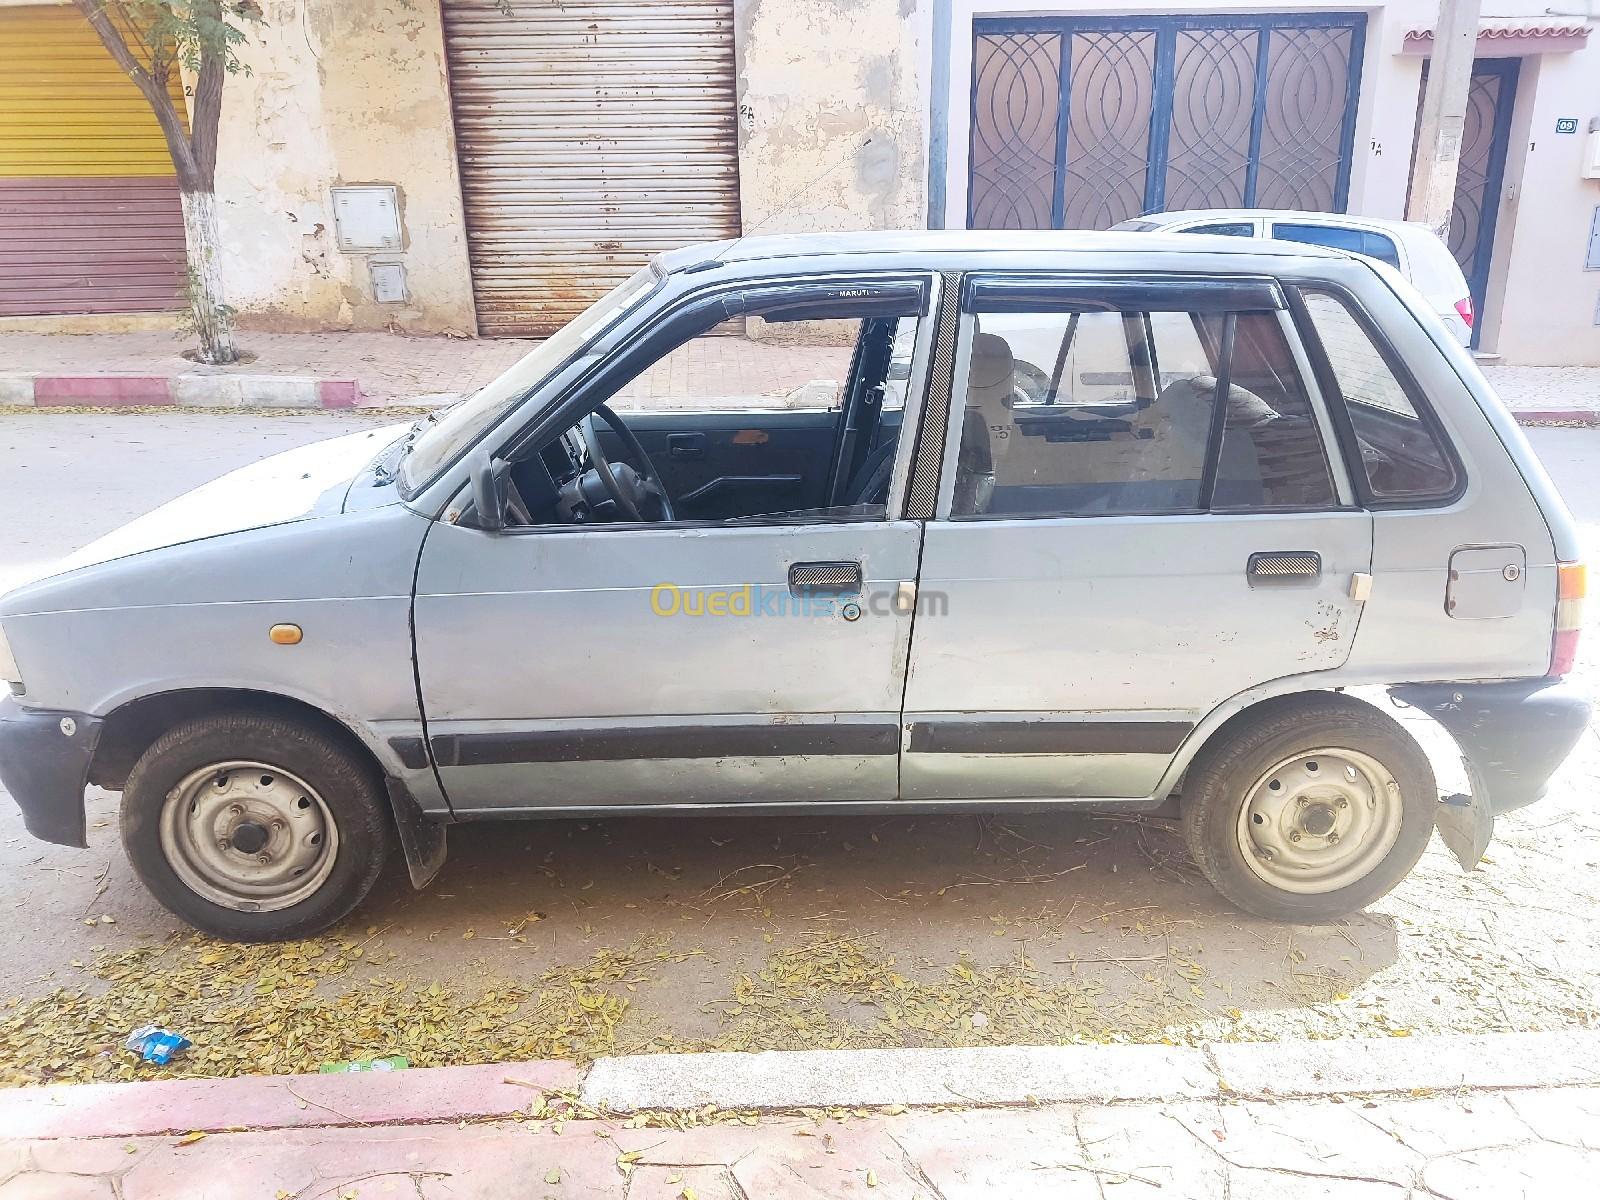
367 218
388 282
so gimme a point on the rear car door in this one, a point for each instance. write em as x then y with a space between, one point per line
1137 519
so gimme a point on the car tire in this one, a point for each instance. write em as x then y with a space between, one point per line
255 828
1311 810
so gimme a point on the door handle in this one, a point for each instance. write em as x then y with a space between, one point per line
686 445
1281 568
825 578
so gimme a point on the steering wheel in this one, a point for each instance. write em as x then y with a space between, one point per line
642 474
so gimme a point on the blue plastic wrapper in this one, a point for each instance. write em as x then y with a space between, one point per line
156 1045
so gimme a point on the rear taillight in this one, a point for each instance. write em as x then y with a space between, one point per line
1464 307
1572 583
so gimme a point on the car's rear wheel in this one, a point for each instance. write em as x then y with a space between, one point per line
253 827
1311 811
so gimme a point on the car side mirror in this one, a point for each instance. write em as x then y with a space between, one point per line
489 493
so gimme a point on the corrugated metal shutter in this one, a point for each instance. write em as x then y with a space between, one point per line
90 220
592 135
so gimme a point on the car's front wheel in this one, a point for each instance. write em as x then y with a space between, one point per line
255 828
1311 811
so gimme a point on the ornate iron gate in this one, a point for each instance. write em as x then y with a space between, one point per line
1078 123
1480 172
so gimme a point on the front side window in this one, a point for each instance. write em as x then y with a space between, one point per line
1340 237
1117 412
1402 457
788 412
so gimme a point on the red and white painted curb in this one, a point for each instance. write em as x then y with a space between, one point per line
178 391
774 1081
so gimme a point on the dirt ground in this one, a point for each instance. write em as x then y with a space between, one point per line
576 938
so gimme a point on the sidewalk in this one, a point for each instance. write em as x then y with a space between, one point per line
1497 1118
385 369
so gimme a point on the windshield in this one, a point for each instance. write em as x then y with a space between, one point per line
453 430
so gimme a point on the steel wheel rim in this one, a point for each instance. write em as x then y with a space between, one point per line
1320 820
248 836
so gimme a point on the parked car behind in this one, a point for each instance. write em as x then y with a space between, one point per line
1409 247
1052 520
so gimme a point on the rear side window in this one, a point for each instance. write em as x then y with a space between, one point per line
1339 237
1402 455
1092 413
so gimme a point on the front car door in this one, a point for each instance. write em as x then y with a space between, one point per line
1137 520
757 658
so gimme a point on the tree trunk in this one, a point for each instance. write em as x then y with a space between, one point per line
213 320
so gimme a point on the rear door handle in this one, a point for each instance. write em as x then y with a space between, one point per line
1283 568
825 578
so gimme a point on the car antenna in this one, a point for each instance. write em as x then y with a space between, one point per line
717 260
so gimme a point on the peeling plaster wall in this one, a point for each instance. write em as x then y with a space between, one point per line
832 114
341 92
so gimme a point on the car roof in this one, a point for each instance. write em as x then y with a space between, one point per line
974 242
1302 216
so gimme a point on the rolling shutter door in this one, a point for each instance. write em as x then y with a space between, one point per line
90 220
592 135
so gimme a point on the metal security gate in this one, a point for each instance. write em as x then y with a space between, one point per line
90 220
1079 123
1480 172
592 134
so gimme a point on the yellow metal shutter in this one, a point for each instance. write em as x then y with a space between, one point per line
592 135
90 220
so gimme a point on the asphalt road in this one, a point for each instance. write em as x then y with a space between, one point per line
746 932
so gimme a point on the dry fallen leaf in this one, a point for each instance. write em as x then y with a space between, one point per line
190 1139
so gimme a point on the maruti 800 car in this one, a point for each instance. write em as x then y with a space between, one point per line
1101 521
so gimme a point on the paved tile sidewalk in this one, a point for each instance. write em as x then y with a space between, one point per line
392 368
1495 1145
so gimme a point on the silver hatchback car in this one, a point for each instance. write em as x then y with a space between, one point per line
859 523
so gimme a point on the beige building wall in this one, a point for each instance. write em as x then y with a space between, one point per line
341 92
1542 302
832 114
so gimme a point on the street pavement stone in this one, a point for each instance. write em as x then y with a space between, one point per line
14 1158
1449 1124
1469 1146
41 1185
1275 1185
1543 1169
999 1153
1315 1137
1570 1116
1148 1154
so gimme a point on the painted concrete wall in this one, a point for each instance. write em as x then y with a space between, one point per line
341 92
832 114
1542 303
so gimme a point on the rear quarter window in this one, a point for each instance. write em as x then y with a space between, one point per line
1340 237
1404 458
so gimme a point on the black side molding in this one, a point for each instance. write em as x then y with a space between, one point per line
1047 737
675 741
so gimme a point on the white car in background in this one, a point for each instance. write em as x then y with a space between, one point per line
1410 248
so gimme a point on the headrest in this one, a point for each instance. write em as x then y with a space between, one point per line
992 362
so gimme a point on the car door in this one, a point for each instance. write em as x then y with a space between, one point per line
1114 558
611 667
